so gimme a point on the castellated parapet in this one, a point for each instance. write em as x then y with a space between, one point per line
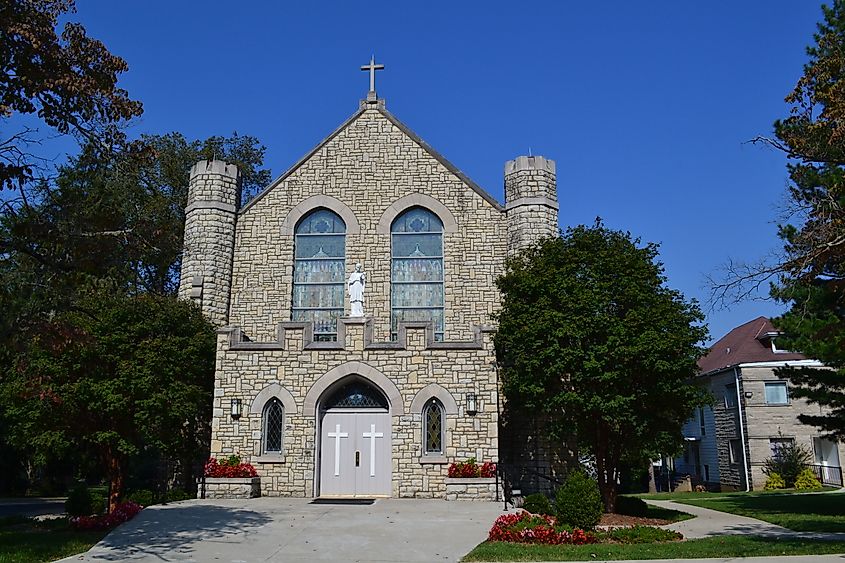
530 200
214 195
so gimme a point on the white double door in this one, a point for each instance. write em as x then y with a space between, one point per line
355 454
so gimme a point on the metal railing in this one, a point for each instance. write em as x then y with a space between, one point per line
828 474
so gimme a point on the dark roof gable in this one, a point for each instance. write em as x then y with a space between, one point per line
749 342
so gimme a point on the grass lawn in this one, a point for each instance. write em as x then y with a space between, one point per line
23 540
660 513
802 513
725 546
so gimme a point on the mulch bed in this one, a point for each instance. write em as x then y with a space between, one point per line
620 520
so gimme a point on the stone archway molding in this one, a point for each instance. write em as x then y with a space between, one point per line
314 202
270 391
366 371
417 200
434 391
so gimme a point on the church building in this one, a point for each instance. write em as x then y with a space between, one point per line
355 298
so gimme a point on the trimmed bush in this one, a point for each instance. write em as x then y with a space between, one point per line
80 501
579 502
806 480
631 506
774 482
789 460
538 503
143 497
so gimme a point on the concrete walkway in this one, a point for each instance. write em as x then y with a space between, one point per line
274 529
708 523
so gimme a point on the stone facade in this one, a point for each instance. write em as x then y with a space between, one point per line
368 172
472 489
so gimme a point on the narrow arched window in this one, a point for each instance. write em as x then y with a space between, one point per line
417 269
434 426
319 272
273 422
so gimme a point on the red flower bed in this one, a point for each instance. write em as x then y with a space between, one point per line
470 468
230 467
525 527
123 512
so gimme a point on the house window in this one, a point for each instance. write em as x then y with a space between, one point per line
416 278
702 427
734 451
777 394
433 428
730 396
319 272
779 445
706 472
273 422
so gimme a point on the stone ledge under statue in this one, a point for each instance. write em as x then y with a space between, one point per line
239 342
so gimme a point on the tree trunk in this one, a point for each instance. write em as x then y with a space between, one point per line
652 485
605 469
116 478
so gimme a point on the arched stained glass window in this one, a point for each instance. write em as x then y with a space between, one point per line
273 422
319 272
417 269
433 428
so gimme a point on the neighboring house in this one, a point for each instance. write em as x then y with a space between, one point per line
339 380
739 371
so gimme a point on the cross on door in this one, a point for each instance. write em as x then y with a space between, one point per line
372 435
337 435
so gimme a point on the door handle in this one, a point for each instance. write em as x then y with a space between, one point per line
357 458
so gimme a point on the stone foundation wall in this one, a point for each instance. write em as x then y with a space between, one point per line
472 489
230 487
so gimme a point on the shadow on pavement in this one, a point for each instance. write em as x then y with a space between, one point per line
174 529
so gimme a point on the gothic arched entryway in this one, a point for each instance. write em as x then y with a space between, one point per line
355 449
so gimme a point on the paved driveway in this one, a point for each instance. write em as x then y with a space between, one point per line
272 529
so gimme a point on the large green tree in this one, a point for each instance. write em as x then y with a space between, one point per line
118 376
67 79
811 276
590 336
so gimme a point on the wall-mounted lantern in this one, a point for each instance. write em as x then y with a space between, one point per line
472 404
749 394
236 409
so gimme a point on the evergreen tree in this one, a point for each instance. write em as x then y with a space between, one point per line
812 276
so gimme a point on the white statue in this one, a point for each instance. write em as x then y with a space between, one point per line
355 286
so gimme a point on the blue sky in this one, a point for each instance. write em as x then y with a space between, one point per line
647 107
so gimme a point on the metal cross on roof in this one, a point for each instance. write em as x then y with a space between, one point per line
372 67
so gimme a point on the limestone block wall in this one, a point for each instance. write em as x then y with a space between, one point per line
726 422
412 364
368 172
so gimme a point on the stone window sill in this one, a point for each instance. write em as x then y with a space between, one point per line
433 460
269 459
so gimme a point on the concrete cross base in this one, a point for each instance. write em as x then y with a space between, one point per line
230 487
471 488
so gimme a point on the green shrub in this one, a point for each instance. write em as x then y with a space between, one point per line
175 495
79 501
806 480
631 506
789 460
774 482
643 534
144 497
579 502
538 503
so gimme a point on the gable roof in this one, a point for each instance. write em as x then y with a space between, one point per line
749 342
402 127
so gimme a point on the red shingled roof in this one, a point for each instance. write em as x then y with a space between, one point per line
746 343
